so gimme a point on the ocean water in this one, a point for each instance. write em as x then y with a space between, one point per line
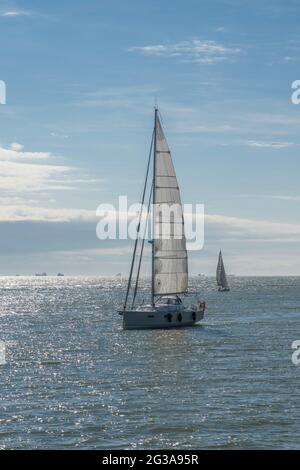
75 380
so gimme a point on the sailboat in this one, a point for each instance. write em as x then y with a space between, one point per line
169 261
221 275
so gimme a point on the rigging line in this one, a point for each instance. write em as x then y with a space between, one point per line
142 249
139 224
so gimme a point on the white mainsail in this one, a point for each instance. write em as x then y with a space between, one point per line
221 274
170 267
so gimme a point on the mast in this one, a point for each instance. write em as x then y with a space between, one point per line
153 204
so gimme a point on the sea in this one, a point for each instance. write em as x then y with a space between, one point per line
72 378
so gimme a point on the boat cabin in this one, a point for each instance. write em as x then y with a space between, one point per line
169 301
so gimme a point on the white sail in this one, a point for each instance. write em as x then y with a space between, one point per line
221 274
170 255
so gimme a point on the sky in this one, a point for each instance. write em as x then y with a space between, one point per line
82 78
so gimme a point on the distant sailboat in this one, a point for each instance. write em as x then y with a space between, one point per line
169 277
221 275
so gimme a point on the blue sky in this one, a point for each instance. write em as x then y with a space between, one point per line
82 79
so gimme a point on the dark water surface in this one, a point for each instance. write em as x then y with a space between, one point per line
75 379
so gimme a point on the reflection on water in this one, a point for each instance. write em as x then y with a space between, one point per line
75 379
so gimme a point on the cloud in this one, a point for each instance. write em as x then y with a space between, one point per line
217 227
273 145
17 147
25 212
108 251
258 230
220 29
60 136
15 13
197 50
20 172
286 198
16 176
291 59
280 197
14 152
65 240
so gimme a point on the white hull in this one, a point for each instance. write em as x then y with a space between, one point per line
143 319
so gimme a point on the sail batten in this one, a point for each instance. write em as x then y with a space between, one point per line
170 255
